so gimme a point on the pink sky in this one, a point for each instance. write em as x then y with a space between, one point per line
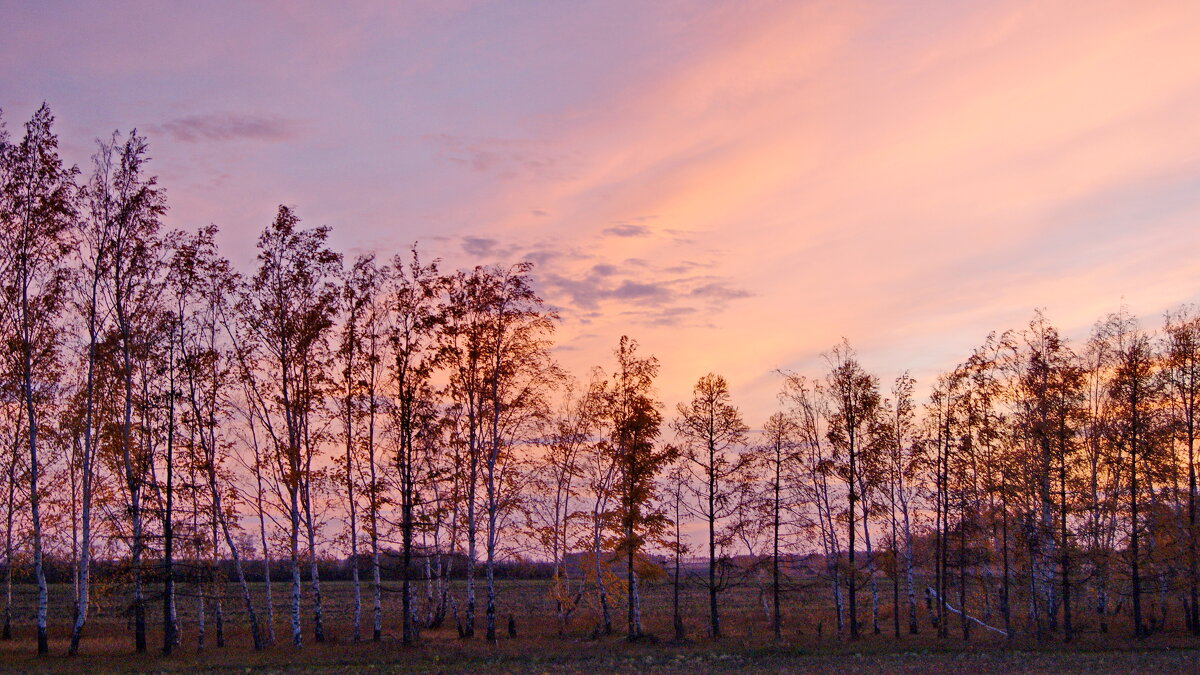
736 185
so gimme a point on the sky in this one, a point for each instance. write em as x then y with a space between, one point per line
736 185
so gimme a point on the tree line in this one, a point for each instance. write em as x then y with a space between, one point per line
181 424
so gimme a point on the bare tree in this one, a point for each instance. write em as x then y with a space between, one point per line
809 403
713 432
902 465
855 398
1181 369
677 483
1137 397
556 487
778 452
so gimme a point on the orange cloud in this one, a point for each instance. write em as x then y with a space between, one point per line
737 186
887 175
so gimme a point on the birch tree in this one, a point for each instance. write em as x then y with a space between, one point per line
902 466
855 401
135 286
635 420
287 309
713 432
557 490
95 240
809 404
207 371
778 452
1181 371
38 213
1137 397
414 292
521 373
364 336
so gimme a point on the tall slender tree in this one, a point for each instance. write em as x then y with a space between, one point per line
206 286
413 297
557 488
713 434
462 353
600 473
38 210
520 374
287 310
1181 369
635 420
135 287
358 284
778 454
1137 398
897 429
809 404
95 239
855 397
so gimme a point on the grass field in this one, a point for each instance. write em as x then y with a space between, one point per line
809 643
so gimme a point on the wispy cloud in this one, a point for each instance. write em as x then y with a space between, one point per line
228 126
627 230
718 291
639 292
504 157
479 246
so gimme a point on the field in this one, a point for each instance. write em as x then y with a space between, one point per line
809 642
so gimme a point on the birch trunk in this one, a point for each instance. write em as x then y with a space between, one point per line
908 574
218 584
469 629
297 635
43 644
376 604
83 578
314 573
6 634
871 572
262 533
603 592
255 633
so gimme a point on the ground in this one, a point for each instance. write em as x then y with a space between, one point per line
809 643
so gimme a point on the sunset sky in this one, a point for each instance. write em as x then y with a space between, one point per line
736 185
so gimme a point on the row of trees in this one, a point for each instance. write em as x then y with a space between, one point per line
1067 472
165 413
164 406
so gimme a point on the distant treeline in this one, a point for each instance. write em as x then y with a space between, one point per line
62 570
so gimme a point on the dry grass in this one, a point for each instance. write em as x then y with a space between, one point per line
747 646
